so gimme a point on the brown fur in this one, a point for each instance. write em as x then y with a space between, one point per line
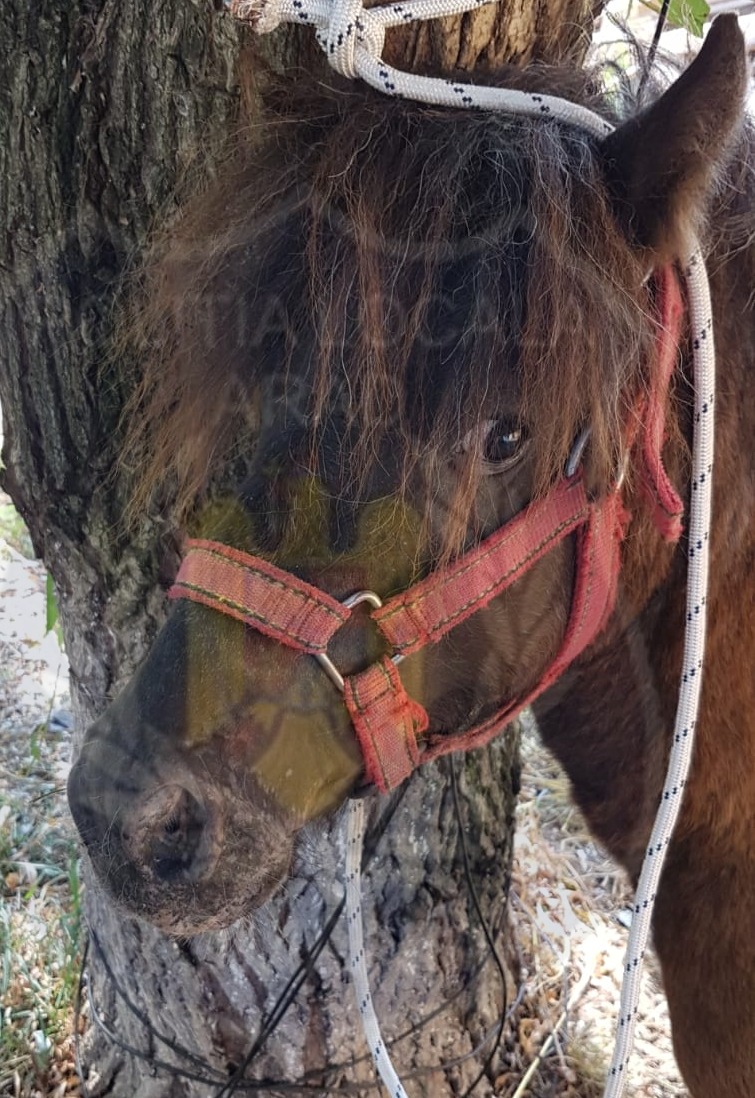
369 284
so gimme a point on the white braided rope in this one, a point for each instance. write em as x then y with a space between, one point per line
352 38
701 327
370 1024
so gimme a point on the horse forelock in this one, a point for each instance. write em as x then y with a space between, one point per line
409 270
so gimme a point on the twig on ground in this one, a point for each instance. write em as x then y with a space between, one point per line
575 996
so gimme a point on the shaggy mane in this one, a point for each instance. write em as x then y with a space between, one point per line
402 265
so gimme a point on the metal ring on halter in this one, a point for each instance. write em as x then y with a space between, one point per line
324 659
579 446
574 459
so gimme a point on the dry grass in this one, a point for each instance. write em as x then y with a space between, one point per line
39 936
40 896
570 909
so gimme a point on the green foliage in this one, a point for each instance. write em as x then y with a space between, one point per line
51 605
690 14
35 740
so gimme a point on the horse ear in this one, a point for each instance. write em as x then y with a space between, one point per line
662 165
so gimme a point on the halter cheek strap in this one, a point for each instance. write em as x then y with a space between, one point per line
391 726
666 507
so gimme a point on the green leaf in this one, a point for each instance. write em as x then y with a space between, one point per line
690 14
37 735
51 606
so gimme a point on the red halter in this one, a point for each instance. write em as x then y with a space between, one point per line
389 724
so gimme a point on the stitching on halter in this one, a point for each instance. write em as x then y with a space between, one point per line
413 604
259 594
279 577
387 722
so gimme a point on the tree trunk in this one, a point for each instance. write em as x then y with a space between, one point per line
104 107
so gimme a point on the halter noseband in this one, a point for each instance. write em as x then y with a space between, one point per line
389 724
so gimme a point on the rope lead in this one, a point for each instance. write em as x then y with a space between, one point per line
358 962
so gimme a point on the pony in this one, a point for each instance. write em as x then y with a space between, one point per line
385 334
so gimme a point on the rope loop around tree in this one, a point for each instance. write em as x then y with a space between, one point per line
352 38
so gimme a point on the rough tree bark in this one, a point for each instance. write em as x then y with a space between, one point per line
104 105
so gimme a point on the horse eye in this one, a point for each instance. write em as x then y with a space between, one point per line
503 444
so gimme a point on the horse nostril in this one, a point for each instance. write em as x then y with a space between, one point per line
167 835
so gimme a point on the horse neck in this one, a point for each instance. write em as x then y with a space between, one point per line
610 719
723 780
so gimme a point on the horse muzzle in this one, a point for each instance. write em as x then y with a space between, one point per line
170 844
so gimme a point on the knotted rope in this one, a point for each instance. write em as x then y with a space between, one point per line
352 38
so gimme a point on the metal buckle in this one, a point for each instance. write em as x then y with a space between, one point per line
324 659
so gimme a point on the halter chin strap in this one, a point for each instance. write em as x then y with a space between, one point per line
391 726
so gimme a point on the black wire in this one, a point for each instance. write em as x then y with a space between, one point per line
371 842
300 976
154 1061
238 1081
485 928
381 825
650 59
283 1085
286 998
194 1076
170 1042
270 1023
280 1085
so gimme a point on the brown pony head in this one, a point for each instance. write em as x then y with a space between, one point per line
378 335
